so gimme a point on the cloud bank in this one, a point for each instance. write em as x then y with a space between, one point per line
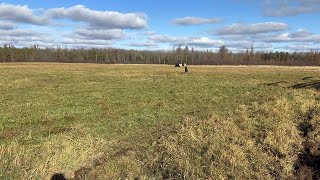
195 21
257 28
99 19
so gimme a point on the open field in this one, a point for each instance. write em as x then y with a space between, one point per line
91 121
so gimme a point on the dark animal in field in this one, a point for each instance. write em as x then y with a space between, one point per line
186 69
180 65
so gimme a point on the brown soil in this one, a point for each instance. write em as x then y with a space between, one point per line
308 163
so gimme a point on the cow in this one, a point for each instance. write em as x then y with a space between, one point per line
178 65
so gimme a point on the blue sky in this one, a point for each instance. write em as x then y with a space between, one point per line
267 25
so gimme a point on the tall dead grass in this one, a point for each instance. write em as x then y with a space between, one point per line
63 153
255 142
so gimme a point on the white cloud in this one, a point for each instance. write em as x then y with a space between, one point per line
237 37
262 46
290 8
204 42
99 34
273 40
21 34
242 45
239 44
288 11
92 38
257 28
78 13
38 43
142 44
89 28
301 33
191 41
21 14
195 21
149 33
164 38
100 19
25 38
73 41
298 36
6 25
267 40
301 47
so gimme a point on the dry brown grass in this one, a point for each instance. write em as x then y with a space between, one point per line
62 152
261 143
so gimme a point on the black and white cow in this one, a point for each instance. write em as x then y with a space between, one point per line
180 65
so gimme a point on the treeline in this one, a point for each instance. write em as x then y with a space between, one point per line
179 55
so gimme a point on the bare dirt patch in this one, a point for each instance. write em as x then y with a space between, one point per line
308 163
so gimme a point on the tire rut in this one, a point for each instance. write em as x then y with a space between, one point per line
84 172
308 162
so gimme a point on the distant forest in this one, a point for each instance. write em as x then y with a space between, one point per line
223 56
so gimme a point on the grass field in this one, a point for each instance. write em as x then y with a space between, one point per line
91 121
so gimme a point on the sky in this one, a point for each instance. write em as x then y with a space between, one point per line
266 25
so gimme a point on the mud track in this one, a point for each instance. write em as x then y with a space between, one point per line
84 172
308 162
